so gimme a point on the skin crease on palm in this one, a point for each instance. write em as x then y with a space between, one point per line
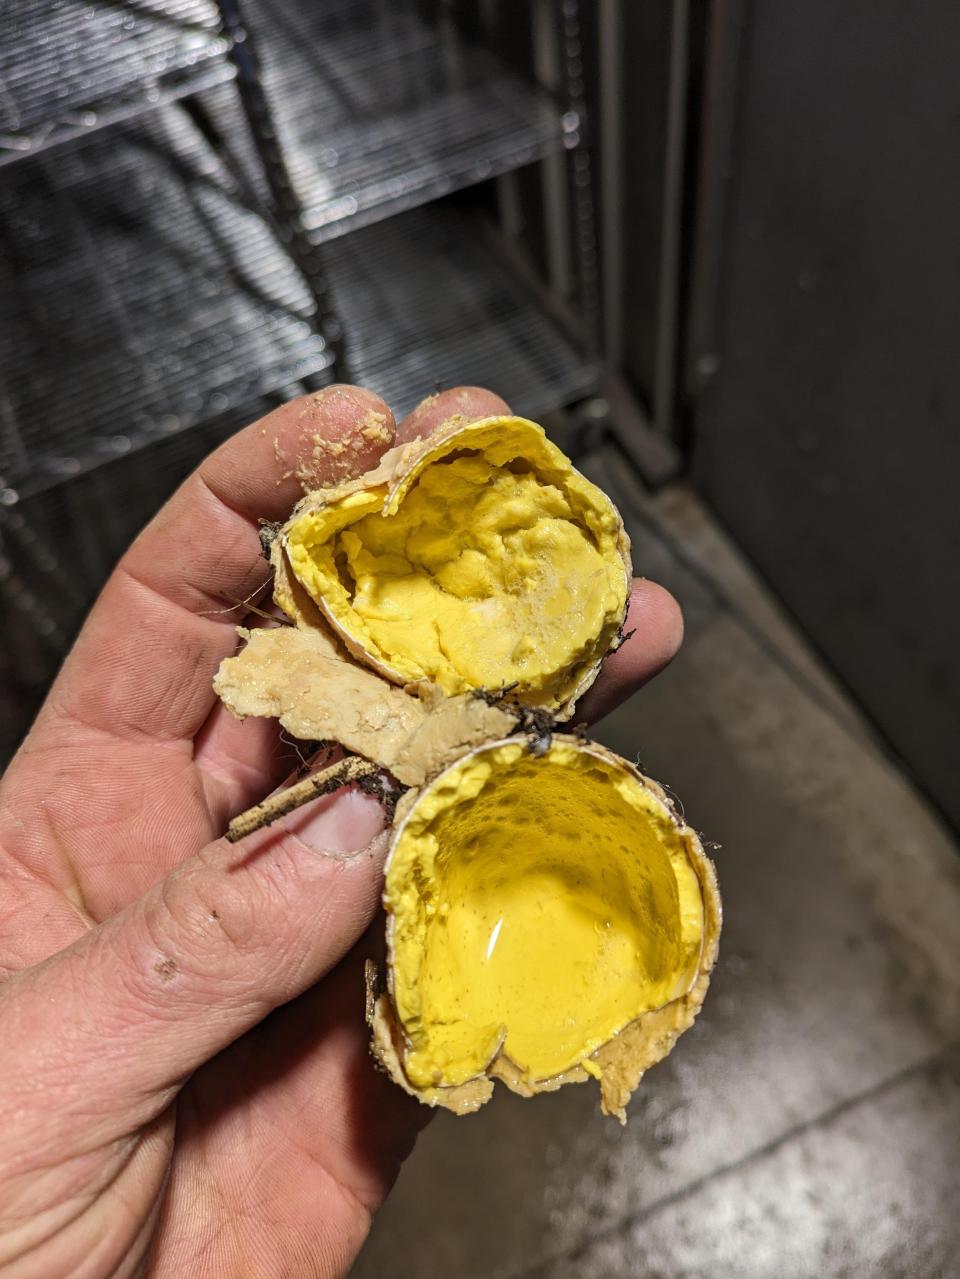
187 1089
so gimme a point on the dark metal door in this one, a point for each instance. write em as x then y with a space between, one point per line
829 437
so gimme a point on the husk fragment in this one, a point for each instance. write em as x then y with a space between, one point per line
303 678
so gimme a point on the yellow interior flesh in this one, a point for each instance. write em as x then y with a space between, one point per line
494 565
539 905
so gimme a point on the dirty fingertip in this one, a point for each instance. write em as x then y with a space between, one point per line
332 434
470 402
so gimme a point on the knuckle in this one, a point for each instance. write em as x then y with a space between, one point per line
201 913
198 931
224 929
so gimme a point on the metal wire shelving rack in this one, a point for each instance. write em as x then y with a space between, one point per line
378 110
138 298
68 67
425 301
168 278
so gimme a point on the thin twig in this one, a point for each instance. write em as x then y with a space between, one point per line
248 605
277 618
351 769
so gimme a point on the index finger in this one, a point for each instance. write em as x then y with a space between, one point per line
144 662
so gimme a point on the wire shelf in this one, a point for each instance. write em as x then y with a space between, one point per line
379 111
138 298
425 302
70 66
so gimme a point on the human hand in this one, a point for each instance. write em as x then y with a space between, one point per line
187 1089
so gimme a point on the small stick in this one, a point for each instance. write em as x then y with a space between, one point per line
351 769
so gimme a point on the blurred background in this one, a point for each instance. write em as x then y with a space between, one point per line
713 245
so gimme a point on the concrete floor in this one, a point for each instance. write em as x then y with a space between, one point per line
809 1124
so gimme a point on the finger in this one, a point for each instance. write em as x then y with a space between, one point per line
317 439
654 629
324 1131
240 760
142 1001
144 662
470 402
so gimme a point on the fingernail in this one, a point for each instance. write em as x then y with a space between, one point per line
342 824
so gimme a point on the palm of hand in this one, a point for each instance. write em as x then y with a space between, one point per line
270 1157
245 1163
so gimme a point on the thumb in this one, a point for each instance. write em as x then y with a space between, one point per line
118 1020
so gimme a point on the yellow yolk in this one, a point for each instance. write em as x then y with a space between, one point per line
539 905
487 571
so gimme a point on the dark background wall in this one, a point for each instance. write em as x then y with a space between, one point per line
829 440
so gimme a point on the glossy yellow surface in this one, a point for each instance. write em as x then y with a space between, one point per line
539 904
493 564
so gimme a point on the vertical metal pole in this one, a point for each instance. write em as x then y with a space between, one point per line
509 211
610 21
547 60
718 119
302 250
668 304
584 231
